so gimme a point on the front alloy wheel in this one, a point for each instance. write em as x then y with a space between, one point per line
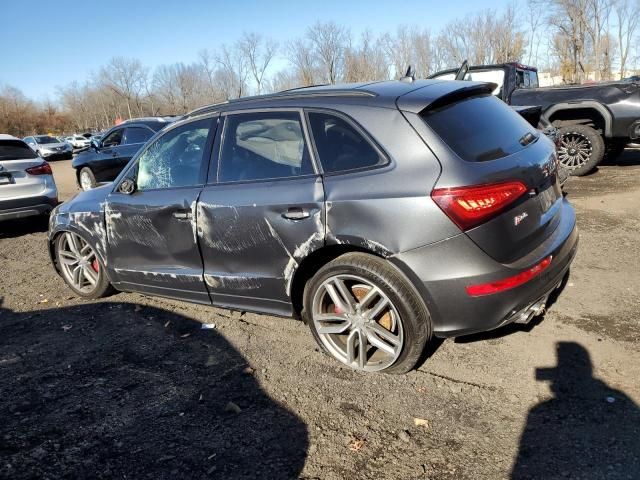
87 180
80 266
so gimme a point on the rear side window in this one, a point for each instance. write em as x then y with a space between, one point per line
480 128
340 146
15 150
136 135
260 146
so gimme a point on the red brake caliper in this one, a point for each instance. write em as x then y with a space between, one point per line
95 265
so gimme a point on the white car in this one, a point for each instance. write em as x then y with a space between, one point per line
78 141
26 182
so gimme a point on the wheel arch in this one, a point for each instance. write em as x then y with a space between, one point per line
90 237
310 265
568 113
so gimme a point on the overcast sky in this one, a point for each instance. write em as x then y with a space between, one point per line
51 43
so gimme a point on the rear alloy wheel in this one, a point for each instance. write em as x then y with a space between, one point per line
87 179
581 149
366 315
81 268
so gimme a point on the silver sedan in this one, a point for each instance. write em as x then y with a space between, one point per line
26 182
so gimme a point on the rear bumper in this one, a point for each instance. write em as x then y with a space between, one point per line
68 155
28 206
442 271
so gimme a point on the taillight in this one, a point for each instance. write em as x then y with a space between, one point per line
471 206
509 283
42 169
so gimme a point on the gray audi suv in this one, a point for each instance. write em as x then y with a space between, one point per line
382 214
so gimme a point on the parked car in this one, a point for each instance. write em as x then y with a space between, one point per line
49 147
26 182
107 156
592 120
383 214
78 141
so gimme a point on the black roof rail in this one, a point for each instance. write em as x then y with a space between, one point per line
301 92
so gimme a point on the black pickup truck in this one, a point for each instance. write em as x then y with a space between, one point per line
593 120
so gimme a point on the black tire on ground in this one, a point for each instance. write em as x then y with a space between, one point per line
581 149
86 171
413 313
103 287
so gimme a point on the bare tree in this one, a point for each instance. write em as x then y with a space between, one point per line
126 77
365 61
627 16
300 54
329 42
259 53
233 72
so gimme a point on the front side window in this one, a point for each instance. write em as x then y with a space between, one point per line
260 146
136 135
175 159
340 146
113 139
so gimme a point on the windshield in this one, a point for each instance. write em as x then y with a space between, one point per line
15 150
494 76
44 139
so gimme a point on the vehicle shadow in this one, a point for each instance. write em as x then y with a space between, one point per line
630 157
587 430
118 390
23 226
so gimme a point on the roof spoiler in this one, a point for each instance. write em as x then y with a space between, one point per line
460 94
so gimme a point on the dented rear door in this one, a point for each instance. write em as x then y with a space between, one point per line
262 212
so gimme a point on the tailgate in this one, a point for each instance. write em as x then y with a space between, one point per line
485 142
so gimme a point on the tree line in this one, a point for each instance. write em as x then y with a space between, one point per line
575 39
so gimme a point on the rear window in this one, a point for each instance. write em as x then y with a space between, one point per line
479 128
15 150
43 140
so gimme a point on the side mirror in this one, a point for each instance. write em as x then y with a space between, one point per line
95 144
127 186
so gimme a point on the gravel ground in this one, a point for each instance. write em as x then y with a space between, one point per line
135 387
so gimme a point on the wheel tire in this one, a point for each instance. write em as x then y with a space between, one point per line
102 287
593 143
414 318
86 179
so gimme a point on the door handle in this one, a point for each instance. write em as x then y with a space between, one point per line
183 215
296 213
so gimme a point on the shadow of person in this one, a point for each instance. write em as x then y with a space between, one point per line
117 390
588 430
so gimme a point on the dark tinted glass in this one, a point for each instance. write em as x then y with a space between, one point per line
174 159
340 146
15 149
45 139
113 139
136 135
480 128
259 146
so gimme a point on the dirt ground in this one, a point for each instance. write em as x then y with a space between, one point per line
133 387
